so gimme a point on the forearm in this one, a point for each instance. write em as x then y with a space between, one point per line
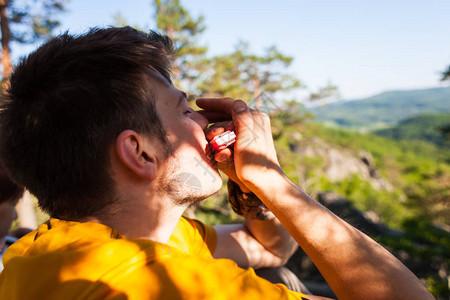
273 236
354 265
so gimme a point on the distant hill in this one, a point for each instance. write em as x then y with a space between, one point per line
384 110
427 127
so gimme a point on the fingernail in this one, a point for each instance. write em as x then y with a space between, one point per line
221 157
216 130
239 106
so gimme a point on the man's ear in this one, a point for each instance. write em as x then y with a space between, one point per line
136 154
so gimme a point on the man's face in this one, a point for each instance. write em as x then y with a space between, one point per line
190 174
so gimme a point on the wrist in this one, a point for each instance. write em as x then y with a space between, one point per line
280 194
267 182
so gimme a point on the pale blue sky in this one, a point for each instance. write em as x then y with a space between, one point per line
363 47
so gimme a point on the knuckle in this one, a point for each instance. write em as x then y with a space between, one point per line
260 114
265 116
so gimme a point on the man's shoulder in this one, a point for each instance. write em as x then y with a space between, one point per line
194 237
199 277
136 269
96 262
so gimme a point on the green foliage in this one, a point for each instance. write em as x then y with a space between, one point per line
26 22
427 233
31 21
417 168
176 22
240 74
216 210
385 109
244 75
388 205
427 127
222 76
425 242
446 74
437 286
330 90
419 171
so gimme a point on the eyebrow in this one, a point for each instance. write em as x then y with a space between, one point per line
183 96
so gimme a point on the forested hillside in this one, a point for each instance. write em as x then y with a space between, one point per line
396 179
384 110
426 127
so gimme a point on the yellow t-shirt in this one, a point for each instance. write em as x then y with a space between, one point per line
71 260
194 237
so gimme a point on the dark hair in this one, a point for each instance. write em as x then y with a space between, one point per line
67 103
9 190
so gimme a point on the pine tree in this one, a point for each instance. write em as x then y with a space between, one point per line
26 22
176 22
248 76
446 75
328 91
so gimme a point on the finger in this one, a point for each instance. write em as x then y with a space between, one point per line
211 132
223 105
218 128
261 123
217 104
226 155
243 122
213 116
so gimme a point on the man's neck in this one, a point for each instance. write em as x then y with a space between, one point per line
153 220
144 209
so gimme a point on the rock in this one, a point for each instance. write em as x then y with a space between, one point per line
341 163
345 209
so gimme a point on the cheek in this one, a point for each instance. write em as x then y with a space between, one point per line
191 131
186 134
200 120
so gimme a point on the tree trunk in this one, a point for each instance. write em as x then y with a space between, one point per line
6 37
175 69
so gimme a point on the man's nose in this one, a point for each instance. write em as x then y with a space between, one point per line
201 120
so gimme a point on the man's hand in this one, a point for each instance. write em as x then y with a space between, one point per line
256 243
254 155
224 158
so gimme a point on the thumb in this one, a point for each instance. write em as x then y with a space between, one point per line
243 122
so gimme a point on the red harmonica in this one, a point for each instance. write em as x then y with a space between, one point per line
222 141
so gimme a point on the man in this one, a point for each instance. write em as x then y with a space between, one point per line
10 193
93 126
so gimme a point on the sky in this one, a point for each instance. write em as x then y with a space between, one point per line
364 47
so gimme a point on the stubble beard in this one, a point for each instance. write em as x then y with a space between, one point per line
184 189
